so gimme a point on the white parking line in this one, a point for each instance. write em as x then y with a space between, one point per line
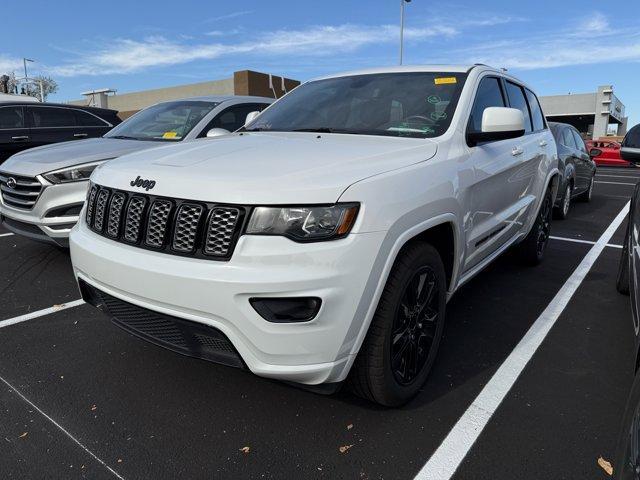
616 176
39 313
452 451
617 183
578 240
5 234
62 429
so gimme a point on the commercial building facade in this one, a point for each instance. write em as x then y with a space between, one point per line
595 115
244 82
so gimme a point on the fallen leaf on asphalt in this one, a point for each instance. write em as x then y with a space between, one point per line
93 408
119 460
245 449
350 426
24 435
606 466
345 448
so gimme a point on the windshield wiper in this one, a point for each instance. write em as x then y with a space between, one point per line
316 130
124 137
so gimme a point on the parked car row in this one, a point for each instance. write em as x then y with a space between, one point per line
320 243
43 189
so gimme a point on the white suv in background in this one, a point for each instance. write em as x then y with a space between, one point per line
43 188
321 243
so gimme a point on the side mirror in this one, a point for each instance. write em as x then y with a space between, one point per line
630 154
498 123
595 152
217 132
251 116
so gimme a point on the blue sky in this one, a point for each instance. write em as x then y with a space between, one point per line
557 47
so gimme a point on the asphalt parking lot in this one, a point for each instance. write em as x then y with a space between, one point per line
79 398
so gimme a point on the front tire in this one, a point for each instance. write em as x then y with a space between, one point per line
403 339
535 243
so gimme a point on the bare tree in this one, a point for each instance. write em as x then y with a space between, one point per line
32 88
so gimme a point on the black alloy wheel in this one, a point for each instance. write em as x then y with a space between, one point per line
543 226
415 326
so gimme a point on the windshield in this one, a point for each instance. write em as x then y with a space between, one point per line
170 121
411 104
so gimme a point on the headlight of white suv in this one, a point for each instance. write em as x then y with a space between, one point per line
76 173
304 224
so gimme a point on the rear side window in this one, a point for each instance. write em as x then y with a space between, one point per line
85 119
567 138
579 140
517 100
43 117
536 112
11 117
489 94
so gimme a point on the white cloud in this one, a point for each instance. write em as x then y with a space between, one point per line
9 64
126 55
229 16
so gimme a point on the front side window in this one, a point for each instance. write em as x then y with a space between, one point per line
170 121
47 117
536 111
11 117
489 94
406 104
233 118
517 100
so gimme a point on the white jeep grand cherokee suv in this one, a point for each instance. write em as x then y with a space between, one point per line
322 241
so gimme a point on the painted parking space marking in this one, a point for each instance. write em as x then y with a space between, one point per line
616 176
452 451
61 428
579 240
40 313
5 234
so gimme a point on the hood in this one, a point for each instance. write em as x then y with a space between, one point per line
265 167
38 160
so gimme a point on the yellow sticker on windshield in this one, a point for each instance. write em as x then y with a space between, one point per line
170 135
445 80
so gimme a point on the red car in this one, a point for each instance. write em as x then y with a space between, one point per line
610 156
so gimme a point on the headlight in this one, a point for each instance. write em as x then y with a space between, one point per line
304 224
73 174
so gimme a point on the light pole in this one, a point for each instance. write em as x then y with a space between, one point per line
24 61
402 2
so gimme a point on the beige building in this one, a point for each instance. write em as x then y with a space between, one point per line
245 82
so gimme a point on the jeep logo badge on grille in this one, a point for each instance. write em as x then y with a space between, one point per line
11 182
138 182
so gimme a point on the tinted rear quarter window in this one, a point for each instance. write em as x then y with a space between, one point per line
86 119
517 100
579 140
489 94
43 117
11 117
567 138
536 111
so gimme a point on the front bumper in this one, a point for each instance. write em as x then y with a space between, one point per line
42 223
216 294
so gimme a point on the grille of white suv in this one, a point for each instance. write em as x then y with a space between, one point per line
18 191
174 226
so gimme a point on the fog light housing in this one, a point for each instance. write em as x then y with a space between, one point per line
287 310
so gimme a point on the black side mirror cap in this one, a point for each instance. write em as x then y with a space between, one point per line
474 138
630 154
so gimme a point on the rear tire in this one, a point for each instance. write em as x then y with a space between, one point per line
562 212
622 281
532 248
586 196
403 338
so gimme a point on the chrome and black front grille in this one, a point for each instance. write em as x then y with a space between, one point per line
175 226
18 191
